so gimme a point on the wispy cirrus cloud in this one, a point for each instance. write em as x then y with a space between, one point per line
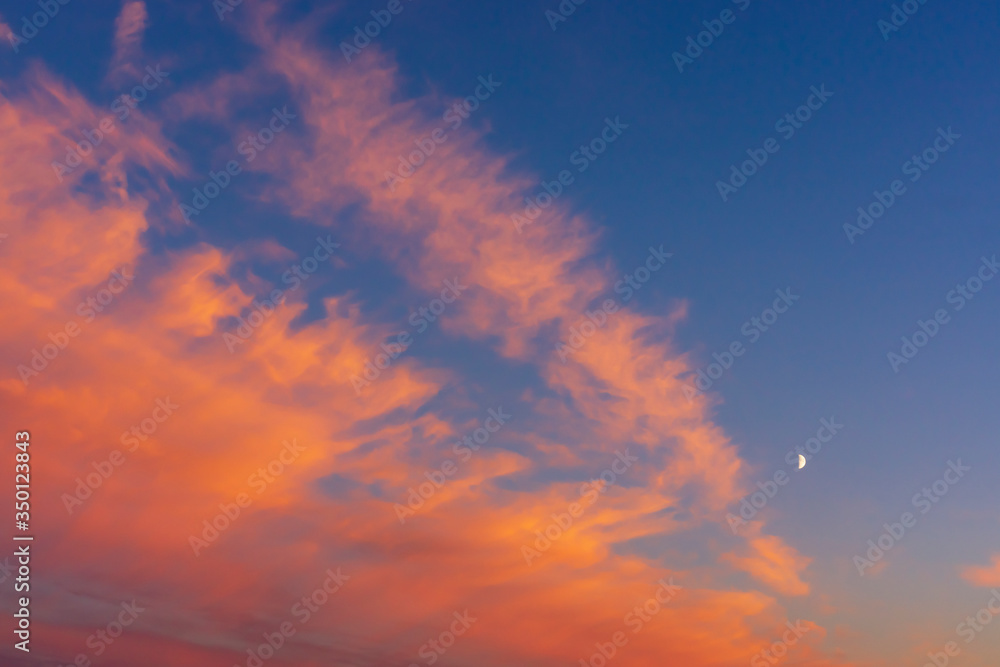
163 337
130 26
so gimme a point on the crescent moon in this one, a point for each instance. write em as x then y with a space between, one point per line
802 462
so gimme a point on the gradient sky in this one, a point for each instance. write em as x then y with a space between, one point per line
628 387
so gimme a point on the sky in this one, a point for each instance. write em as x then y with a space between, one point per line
493 336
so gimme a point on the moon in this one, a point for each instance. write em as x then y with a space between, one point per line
802 462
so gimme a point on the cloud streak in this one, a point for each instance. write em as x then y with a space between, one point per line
335 506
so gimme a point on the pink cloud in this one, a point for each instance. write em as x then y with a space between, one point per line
129 28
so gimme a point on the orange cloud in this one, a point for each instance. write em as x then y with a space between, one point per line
333 504
986 577
773 562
